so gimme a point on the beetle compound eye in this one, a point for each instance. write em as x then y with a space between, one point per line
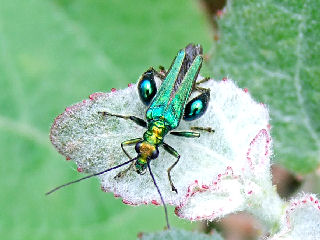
196 107
147 87
155 154
137 147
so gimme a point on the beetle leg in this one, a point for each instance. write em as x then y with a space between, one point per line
201 89
186 134
161 74
193 134
174 153
136 120
206 79
127 143
207 129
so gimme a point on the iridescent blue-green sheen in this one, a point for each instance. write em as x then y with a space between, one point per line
170 101
196 107
147 89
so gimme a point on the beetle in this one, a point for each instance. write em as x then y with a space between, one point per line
166 107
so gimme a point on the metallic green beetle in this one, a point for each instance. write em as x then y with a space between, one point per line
166 107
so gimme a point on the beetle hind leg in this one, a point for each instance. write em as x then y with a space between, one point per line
206 79
162 72
202 89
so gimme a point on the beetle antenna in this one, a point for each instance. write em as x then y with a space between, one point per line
164 205
89 176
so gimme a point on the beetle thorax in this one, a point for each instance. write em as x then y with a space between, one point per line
155 133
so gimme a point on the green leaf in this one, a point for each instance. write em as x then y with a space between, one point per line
272 48
55 53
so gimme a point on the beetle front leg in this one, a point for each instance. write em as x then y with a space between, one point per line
127 143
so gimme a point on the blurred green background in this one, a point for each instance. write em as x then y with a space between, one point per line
53 54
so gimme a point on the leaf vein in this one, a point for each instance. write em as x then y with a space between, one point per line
297 82
16 82
69 23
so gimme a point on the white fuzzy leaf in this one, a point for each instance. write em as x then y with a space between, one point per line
301 220
93 142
